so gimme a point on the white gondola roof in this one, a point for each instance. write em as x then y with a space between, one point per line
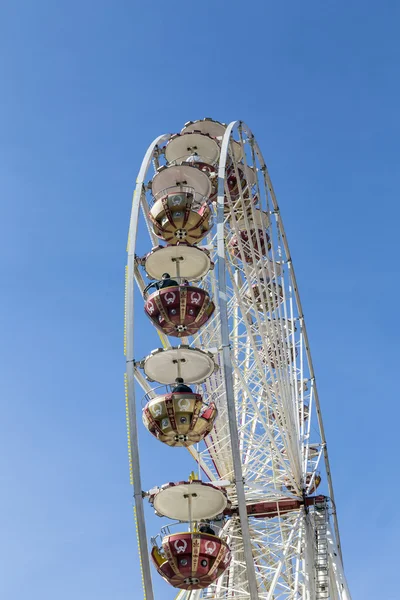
175 177
213 128
180 147
194 263
207 501
195 365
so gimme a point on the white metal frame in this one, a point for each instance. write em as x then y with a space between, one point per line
261 442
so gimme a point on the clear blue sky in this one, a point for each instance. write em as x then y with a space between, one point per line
85 87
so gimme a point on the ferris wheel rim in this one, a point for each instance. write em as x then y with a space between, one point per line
307 346
130 376
220 240
226 357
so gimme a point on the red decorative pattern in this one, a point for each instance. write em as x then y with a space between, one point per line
177 217
269 510
192 561
179 419
179 310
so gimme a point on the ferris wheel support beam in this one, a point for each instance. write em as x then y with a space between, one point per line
337 567
279 567
228 371
133 436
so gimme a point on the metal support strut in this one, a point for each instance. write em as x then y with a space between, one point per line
227 364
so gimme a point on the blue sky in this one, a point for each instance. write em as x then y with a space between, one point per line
85 87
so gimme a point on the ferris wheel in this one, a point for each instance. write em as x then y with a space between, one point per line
230 379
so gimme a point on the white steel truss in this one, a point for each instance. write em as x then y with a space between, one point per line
268 441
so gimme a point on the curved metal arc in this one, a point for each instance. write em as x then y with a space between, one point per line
139 193
306 341
340 578
139 189
301 317
227 363
132 425
299 308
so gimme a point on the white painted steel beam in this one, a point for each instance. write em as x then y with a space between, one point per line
228 372
261 439
134 448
